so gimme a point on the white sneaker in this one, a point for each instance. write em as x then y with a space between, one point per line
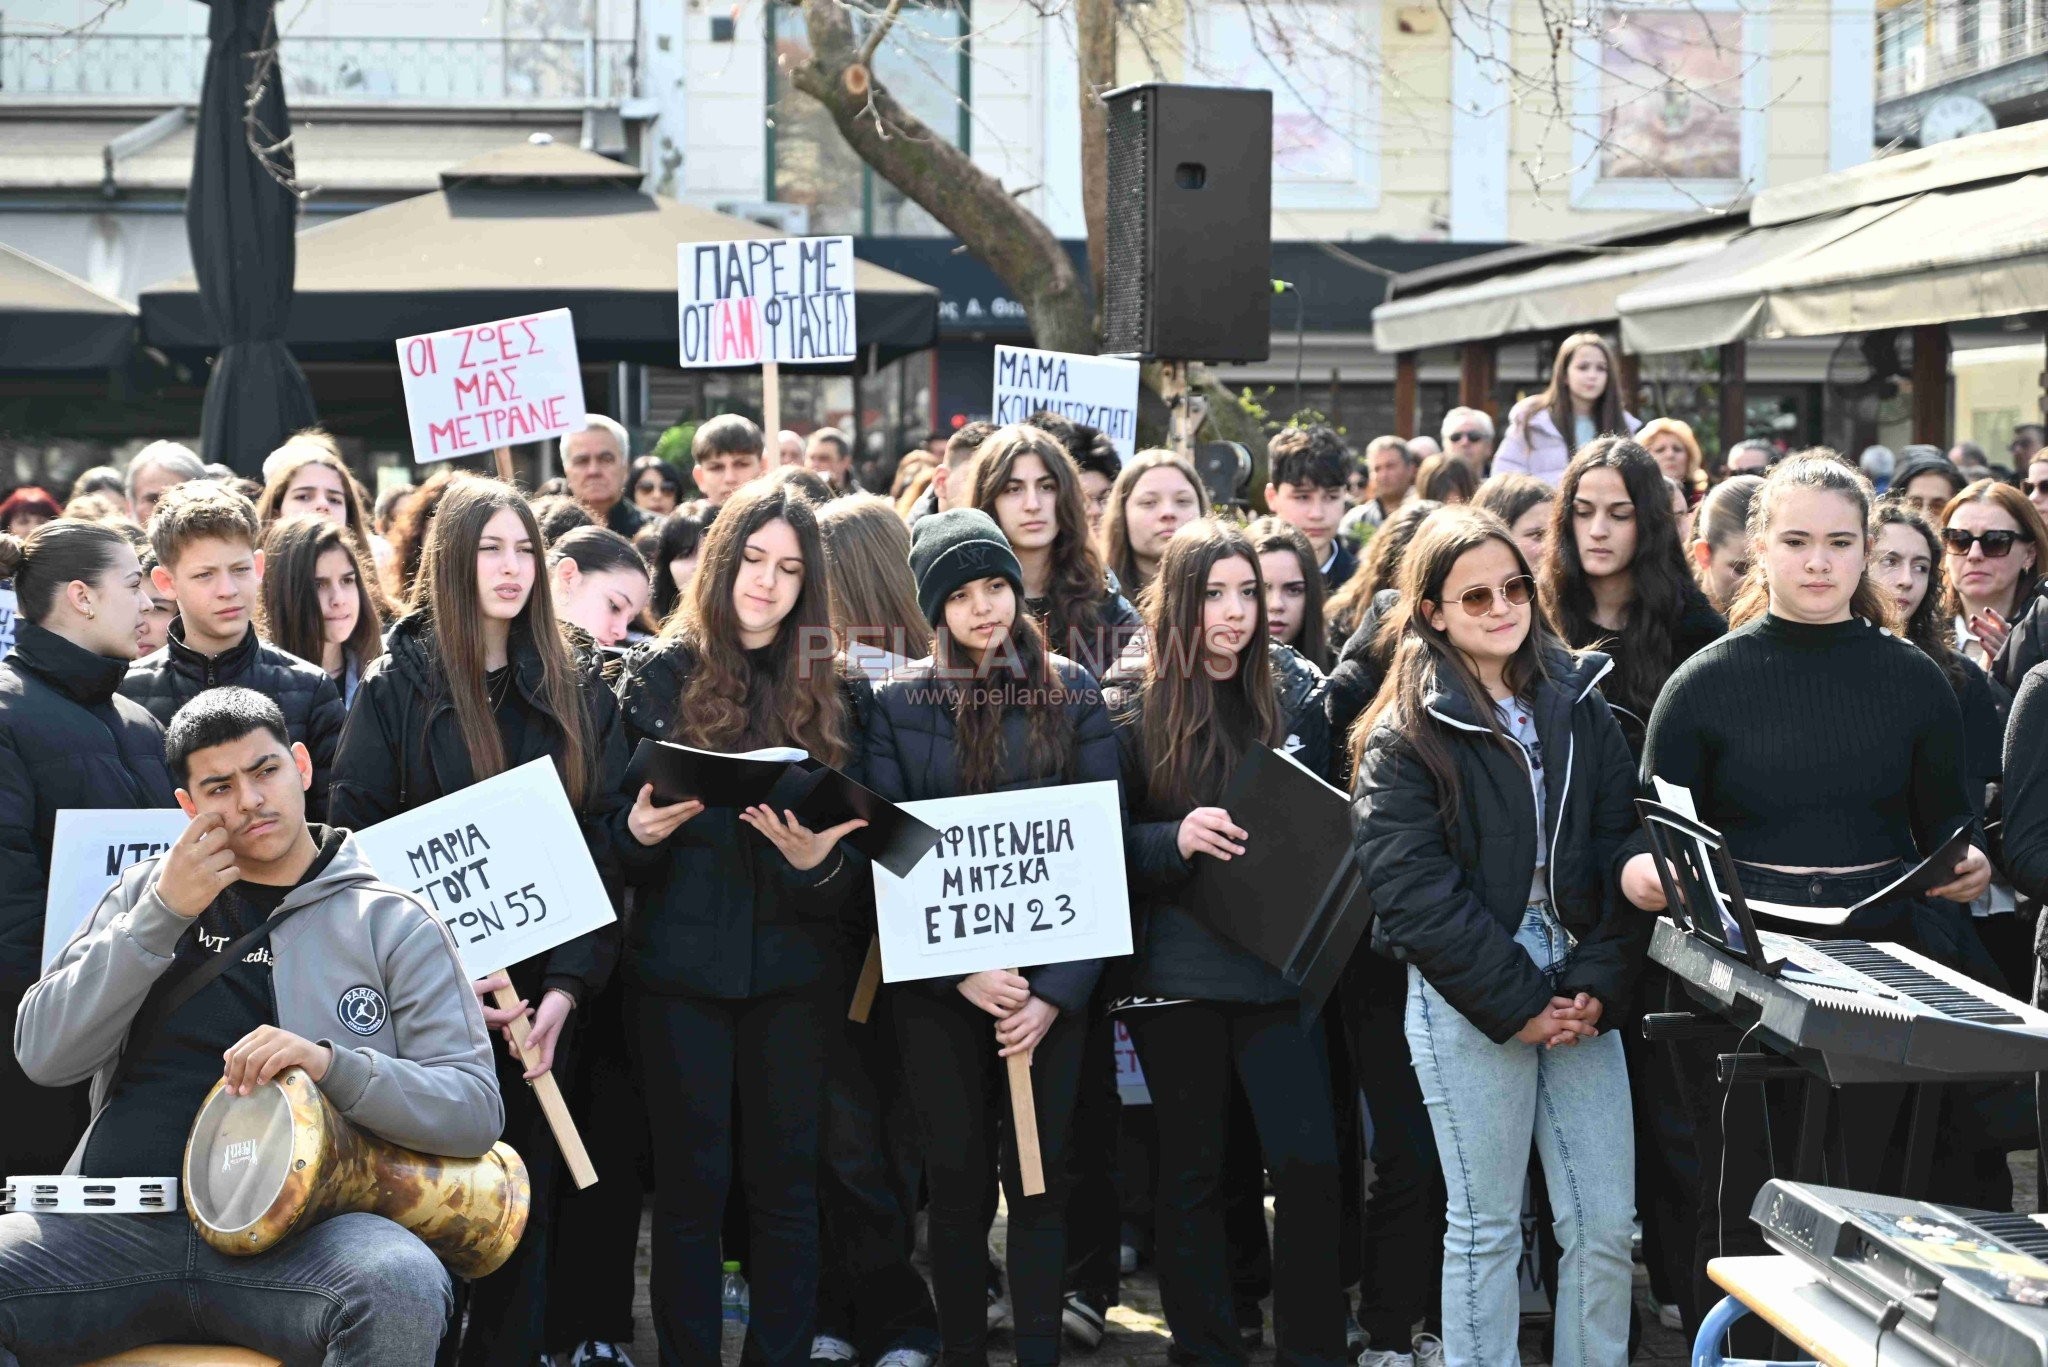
904 1357
598 1351
1671 1317
1429 1351
1384 1357
832 1348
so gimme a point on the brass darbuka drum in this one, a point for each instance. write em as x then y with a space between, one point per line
282 1158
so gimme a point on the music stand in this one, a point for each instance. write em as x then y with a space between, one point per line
1700 884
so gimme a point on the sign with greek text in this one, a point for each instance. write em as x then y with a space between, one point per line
1100 391
8 619
502 862
476 388
782 299
1017 879
90 848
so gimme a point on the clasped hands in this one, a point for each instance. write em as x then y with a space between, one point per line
1021 1018
1566 1021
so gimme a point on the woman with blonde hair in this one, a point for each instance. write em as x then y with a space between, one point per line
1677 452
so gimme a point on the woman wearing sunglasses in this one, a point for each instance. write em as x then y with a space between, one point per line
1491 811
1991 541
656 486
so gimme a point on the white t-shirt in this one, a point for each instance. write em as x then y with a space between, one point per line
1519 721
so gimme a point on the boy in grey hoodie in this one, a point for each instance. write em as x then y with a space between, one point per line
358 984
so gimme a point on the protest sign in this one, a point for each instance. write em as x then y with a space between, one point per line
490 385
503 863
1100 391
1020 878
8 620
766 300
90 848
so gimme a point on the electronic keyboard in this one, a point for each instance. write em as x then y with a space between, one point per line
1972 1286
1858 1012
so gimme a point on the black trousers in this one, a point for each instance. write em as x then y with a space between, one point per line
1402 1240
1667 1168
868 1292
1190 1052
43 1124
1094 1214
597 1230
962 1095
700 1056
508 1309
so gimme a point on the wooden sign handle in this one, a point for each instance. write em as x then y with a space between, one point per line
503 456
545 1088
864 989
1024 1116
771 402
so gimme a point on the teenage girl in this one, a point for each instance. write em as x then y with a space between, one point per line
600 582
1582 401
1720 543
1154 496
1294 590
321 600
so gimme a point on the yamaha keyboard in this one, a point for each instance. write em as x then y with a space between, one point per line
1972 1286
1852 1012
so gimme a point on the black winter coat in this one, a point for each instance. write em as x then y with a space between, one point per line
67 739
911 756
1176 955
1355 678
721 913
165 680
403 748
1451 905
1096 646
2026 788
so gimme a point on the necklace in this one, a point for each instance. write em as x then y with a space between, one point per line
500 688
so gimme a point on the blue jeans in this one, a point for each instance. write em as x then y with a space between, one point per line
353 1291
1487 1102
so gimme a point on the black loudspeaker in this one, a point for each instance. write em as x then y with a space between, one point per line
1190 223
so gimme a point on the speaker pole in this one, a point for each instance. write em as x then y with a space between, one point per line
1183 414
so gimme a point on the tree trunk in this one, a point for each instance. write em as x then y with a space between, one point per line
943 180
1095 33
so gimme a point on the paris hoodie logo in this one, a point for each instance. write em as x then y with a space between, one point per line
362 1010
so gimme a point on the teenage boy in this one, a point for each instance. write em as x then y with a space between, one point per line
829 454
951 479
357 983
204 536
725 453
1306 490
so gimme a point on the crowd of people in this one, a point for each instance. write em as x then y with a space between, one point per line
1491 642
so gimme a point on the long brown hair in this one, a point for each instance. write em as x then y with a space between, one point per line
1827 474
1426 661
2025 516
291 618
313 447
1381 568
1076 585
1016 674
411 524
1927 628
1116 534
449 596
1607 411
1197 727
728 704
867 566
1272 535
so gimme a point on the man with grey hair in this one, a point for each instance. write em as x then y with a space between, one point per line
1468 435
790 446
594 465
157 467
829 453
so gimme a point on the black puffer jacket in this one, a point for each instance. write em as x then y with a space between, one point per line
2026 645
911 756
1355 678
1177 956
403 749
721 913
167 679
67 739
1096 645
1451 906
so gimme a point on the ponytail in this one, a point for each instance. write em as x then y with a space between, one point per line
55 554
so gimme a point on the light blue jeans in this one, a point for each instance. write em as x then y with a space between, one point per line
1487 1103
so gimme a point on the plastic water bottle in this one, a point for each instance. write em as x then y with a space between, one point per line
734 1305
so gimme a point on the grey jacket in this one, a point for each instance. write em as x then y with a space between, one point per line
364 969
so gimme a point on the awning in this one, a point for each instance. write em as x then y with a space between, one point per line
1941 256
53 321
517 231
1555 297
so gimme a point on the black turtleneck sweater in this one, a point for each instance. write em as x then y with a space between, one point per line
1814 746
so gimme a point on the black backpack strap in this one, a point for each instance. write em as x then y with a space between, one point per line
146 1027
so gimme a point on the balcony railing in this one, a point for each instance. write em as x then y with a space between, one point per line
577 70
1925 68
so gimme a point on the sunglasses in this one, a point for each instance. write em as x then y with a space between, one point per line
1997 544
1465 436
2030 487
651 486
1479 601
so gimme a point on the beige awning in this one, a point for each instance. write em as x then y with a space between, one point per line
1941 256
1554 297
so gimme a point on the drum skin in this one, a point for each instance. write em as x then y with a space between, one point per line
283 1159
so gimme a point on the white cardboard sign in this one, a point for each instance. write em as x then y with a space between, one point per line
90 848
1100 391
476 388
762 299
9 619
1017 879
502 862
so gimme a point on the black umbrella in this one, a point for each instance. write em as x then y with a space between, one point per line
240 215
